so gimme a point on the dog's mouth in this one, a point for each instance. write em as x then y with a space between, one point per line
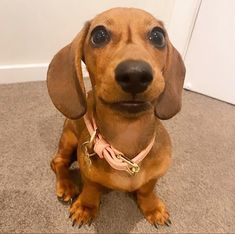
129 106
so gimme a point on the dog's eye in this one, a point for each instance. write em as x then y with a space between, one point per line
100 36
157 37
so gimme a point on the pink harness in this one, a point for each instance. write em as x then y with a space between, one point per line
115 158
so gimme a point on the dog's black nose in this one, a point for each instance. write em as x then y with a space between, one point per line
133 76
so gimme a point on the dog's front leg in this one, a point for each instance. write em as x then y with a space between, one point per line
86 206
66 190
151 206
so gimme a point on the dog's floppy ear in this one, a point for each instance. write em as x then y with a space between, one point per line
169 102
64 78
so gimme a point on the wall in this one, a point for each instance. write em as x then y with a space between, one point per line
210 58
32 31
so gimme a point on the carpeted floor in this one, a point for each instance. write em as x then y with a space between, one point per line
199 189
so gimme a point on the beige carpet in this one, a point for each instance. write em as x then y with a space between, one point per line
199 189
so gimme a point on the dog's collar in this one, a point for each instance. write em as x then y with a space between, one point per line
116 159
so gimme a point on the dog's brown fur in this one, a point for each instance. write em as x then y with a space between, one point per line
130 133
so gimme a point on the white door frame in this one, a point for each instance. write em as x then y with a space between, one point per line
182 23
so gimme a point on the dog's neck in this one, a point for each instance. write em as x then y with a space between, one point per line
130 135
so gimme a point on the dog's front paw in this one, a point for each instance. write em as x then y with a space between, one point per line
66 190
82 214
158 215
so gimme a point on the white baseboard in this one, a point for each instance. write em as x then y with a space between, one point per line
17 73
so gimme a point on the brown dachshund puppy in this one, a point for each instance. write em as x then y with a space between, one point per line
137 78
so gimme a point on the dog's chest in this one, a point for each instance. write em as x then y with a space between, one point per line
111 178
126 182
101 173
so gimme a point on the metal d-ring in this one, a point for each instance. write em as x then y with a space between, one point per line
88 146
93 136
85 149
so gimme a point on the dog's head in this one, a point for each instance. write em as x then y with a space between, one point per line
132 65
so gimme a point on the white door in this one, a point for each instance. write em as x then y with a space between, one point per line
210 59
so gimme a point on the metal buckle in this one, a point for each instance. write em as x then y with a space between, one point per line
132 167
